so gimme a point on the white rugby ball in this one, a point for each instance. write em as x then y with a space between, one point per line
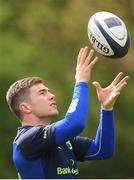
108 35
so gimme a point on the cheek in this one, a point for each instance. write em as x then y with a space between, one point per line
39 104
39 101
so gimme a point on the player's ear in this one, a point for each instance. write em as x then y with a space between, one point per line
24 108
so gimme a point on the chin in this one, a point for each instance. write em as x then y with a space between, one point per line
51 114
56 113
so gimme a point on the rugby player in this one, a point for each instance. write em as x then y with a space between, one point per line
46 150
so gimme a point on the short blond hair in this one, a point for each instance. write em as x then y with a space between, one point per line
19 91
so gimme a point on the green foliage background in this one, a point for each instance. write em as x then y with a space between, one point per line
42 38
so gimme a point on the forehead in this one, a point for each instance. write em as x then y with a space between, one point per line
38 87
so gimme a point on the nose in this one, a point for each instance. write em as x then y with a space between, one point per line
51 96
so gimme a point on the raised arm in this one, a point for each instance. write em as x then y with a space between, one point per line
76 116
104 143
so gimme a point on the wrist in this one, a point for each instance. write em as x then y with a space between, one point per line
80 80
106 108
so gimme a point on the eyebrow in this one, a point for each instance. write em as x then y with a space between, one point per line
43 90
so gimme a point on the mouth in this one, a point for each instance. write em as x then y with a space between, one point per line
53 104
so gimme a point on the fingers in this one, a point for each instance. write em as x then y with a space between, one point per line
117 78
90 60
79 56
119 89
95 60
84 55
90 56
123 81
121 85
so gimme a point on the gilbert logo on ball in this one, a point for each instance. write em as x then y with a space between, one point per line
108 35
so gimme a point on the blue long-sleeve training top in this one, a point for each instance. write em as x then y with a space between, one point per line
52 152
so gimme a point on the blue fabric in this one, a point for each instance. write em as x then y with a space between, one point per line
38 157
103 145
32 142
80 146
27 169
76 117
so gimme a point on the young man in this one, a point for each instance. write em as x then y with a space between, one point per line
45 150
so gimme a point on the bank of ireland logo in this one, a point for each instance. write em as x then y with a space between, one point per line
73 105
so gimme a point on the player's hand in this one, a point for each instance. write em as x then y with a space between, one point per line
108 96
85 64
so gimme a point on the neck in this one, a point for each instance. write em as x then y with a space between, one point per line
34 121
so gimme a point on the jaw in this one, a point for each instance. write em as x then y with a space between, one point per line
49 117
35 120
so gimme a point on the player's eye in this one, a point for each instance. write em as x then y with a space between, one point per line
42 92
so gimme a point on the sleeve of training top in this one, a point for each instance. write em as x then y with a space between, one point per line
103 146
76 116
80 146
36 140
